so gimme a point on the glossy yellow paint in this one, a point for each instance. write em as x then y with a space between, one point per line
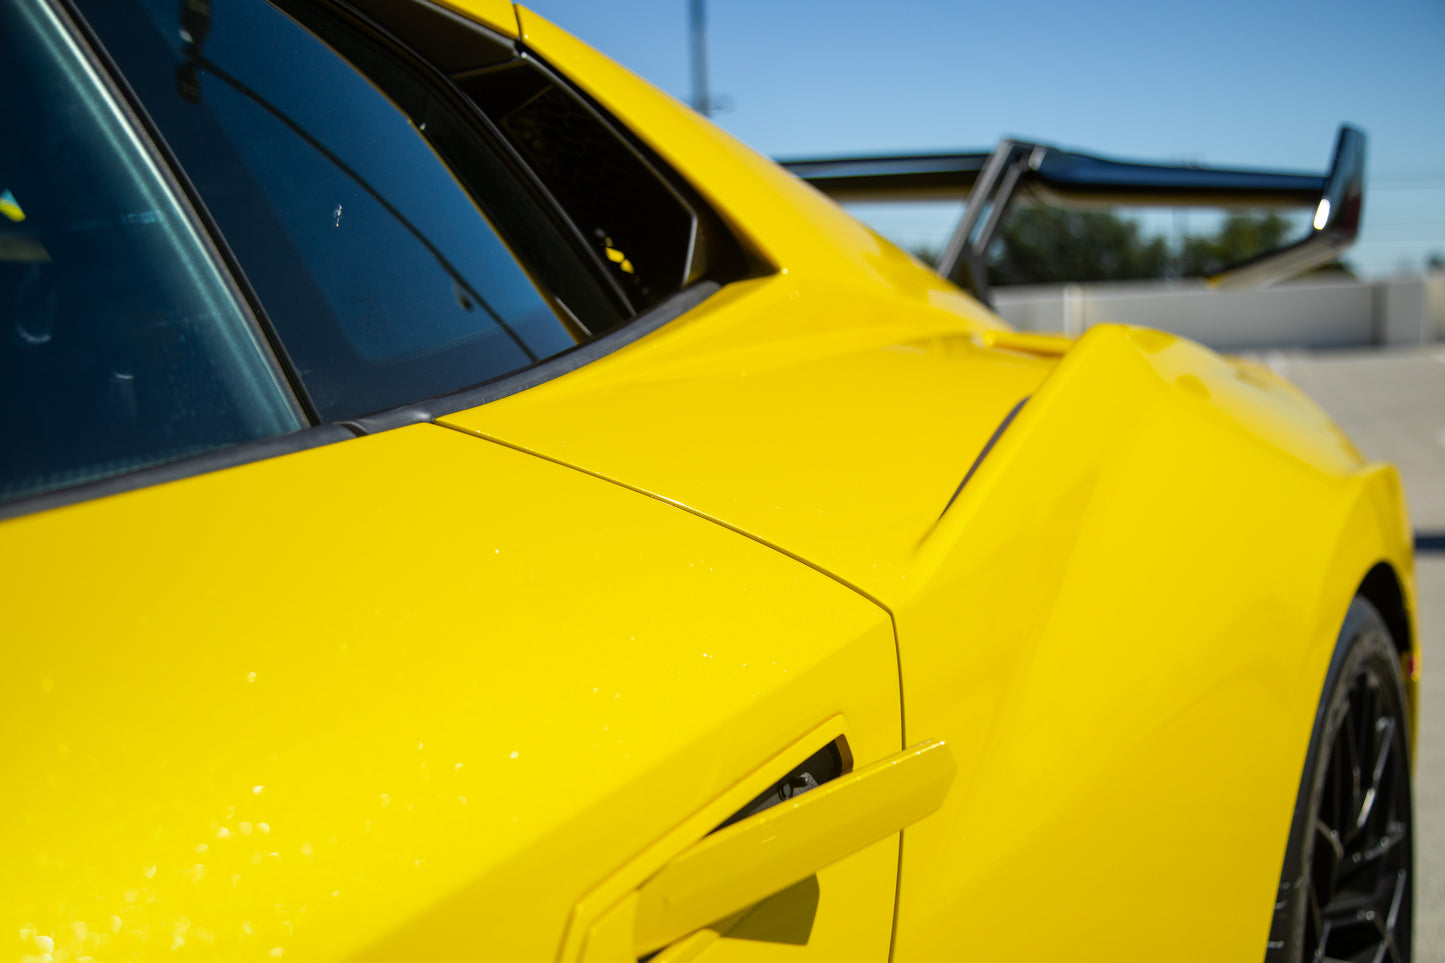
420 695
1126 629
837 423
1028 342
688 949
1122 621
408 695
827 419
1145 575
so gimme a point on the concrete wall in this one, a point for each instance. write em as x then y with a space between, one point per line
1313 314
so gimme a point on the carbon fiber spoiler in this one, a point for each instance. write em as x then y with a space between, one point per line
1047 175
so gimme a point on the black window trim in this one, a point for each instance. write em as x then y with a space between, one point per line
262 449
430 409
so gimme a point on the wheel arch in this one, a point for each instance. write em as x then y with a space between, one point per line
1375 561
1381 588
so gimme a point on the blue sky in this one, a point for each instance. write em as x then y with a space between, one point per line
1230 82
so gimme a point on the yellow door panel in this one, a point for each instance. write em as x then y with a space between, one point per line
408 696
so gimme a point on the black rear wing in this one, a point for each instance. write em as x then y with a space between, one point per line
1047 175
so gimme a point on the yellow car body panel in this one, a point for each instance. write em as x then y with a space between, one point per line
377 706
803 401
1032 635
424 694
1113 696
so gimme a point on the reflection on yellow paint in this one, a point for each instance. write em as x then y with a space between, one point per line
11 207
616 256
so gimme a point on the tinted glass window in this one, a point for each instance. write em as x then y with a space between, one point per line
122 347
389 274
647 229
637 223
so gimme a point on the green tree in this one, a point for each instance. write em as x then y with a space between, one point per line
1240 237
1051 245
1043 245
927 253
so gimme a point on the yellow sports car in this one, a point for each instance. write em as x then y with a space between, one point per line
461 505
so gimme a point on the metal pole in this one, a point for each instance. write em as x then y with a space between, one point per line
701 100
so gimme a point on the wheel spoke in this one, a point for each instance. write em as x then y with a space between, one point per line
1361 926
1386 924
1384 740
1389 839
1397 899
1329 852
1349 910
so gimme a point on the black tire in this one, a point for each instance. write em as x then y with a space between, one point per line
1346 889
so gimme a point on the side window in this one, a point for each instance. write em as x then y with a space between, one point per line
397 252
644 232
122 346
650 232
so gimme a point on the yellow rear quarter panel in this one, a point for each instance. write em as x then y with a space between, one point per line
1123 626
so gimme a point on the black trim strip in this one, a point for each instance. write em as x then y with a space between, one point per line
228 457
983 453
431 409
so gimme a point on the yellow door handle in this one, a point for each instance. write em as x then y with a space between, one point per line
750 860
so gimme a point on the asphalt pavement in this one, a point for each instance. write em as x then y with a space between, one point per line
1393 405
